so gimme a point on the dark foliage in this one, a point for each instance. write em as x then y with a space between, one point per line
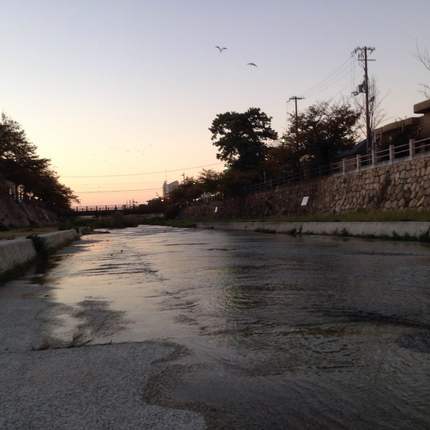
320 134
20 164
242 138
155 205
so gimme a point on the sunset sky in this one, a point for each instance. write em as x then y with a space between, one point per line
113 88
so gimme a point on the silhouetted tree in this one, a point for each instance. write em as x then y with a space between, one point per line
376 112
209 181
322 131
235 182
155 205
20 164
188 190
242 138
283 160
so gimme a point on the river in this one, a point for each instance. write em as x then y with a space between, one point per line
277 332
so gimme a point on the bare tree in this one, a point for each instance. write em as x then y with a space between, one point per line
423 56
377 114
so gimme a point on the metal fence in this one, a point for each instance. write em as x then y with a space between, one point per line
392 154
102 208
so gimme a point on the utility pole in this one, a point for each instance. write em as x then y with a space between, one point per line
295 98
363 56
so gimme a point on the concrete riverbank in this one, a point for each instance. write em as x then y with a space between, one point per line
383 230
19 252
50 383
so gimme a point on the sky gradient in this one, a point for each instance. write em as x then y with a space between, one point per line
106 87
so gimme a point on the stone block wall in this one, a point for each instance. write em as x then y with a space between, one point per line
23 213
403 185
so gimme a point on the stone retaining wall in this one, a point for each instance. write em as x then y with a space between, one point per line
404 185
23 214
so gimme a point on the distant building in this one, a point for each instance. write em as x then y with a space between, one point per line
169 187
424 109
398 132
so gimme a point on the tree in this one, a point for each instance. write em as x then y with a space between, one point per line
424 58
188 190
283 160
322 131
155 205
242 138
376 112
20 164
235 182
209 181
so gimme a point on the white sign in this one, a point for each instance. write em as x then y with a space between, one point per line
305 200
216 209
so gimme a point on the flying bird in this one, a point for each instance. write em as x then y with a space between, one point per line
220 48
252 65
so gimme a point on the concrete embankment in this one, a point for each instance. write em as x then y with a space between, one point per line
19 252
14 253
57 239
386 230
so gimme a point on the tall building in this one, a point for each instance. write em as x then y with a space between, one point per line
169 187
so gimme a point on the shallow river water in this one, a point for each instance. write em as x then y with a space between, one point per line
281 332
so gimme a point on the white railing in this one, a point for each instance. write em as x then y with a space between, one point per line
392 154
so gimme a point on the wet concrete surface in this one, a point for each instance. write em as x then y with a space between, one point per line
280 332
93 387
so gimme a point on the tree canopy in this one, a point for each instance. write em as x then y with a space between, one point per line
20 164
318 137
322 132
242 138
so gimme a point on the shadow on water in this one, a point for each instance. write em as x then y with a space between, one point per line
97 320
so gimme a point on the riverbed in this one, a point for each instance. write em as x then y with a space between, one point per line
270 331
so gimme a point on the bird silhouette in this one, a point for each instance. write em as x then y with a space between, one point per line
252 65
220 48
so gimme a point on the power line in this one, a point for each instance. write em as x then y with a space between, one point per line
117 191
323 82
347 87
340 77
143 173
330 84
